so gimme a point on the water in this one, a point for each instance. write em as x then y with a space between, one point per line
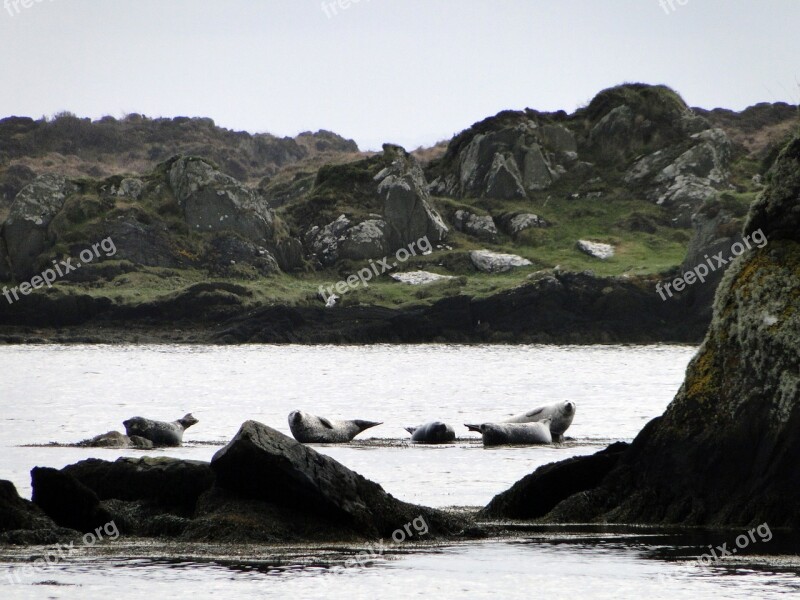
66 394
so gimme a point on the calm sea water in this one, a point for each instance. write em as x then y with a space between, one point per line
67 394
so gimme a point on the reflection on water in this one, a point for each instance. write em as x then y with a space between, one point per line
608 566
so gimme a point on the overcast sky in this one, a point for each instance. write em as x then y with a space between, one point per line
407 71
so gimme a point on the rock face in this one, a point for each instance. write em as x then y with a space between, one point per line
407 207
497 262
25 230
17 513
596 249
366 240
67 501
664 151
684 182
481 227
516 223
538 493
5 265
340 239
393 187
161 481
264 465
726 450
506 163
717 226
228 250
213 201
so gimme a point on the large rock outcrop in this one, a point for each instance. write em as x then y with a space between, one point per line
684 176
407 207
725 452
393 191
25 229
213 201
506 157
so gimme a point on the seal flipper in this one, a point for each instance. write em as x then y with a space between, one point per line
362 425
410 430
325 422
475 428
534 412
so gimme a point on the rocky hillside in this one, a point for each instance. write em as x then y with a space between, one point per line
633 188
73 147
726 450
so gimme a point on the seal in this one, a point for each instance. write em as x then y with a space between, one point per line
435 432
310 429
160 433
560 415
515 434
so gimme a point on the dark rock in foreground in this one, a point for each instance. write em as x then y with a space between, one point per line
262 487
725 453
67 501
262 471
537 494
168 482
18 513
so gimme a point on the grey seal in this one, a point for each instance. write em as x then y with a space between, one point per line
435 432
310 429
515 434
160 433
560 415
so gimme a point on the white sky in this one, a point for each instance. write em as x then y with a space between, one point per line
406 71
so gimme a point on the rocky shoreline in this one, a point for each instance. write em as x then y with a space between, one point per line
551 308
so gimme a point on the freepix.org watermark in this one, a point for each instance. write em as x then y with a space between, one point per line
14 7
701 271
715 554
108 532
331 8
60 269
670 6
415 528
375 268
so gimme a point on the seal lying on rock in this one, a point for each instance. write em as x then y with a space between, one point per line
560 415
515 434
310 429
432 433
159 432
